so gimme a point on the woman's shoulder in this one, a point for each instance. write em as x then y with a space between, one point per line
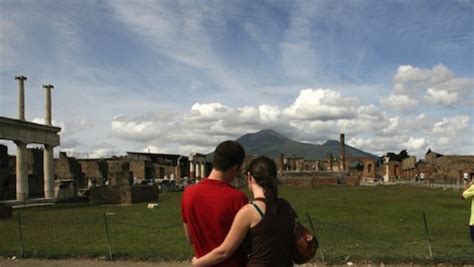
247 208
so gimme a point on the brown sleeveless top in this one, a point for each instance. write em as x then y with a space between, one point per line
270 242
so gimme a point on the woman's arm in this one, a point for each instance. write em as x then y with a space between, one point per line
469 192
234 238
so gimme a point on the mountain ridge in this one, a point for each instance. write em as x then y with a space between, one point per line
270 143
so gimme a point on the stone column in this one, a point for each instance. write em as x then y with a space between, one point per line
198 170
330 161
48 161
203 170
387 174
47 118
282 164
21 97
192 174
342 153
177 171
21 172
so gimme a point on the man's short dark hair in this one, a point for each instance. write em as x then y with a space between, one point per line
228 154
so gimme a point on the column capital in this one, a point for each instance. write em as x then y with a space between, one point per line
20 77
48 86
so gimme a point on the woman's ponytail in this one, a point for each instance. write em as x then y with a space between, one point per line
264 171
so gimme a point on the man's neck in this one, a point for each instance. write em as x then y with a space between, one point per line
218 175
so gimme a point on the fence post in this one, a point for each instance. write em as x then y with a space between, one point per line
111 256
428 236
20 235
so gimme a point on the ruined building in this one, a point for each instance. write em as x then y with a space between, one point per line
346 170
448 169
23 133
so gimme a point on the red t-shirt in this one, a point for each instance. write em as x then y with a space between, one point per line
208 209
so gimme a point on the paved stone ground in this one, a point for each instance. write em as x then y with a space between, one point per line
7 262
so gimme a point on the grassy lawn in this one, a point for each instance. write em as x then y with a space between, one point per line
377 224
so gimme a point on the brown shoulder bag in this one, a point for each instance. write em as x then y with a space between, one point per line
304 245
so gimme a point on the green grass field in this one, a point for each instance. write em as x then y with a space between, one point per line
376 224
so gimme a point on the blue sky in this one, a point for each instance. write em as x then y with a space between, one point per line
181 76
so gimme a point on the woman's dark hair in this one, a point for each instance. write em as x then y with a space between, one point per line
264 171
227 155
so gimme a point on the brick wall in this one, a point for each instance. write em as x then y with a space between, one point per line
312 179
94 171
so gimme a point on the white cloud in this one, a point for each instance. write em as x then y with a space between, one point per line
156 149
208 111
139 130
400 102
101 153
321 104
450 127
314 116
415 144
439 74
438 85
441 97
393 128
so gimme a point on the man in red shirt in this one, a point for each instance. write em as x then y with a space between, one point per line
209 207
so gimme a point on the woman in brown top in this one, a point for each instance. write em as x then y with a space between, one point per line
266 224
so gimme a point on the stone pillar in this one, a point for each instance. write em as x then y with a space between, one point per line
48 167
342 153
192 174
203 170
198 170
282 164
21 97
177 171
330 161
387 174
47 118
21 172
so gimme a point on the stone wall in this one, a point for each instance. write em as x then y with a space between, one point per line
312 179
105 195
118 173
137 167
69 168
94 171
447 169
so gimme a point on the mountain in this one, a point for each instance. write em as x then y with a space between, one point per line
271 143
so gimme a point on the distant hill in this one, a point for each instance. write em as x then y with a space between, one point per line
271 143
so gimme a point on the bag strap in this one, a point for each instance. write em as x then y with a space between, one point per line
258 209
